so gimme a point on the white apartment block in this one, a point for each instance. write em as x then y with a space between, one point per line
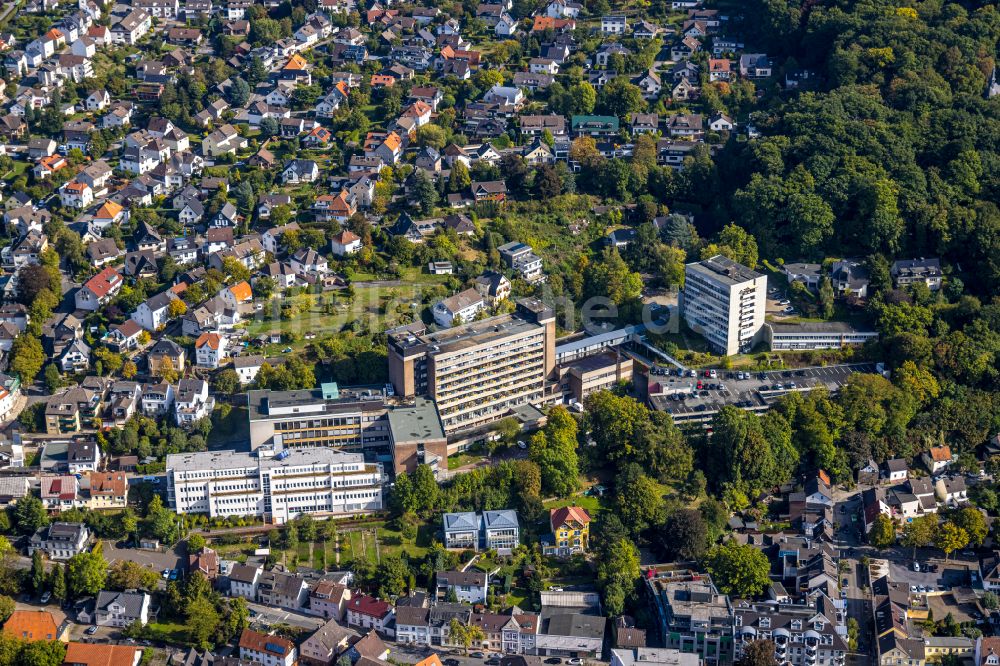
278 488
479 371
725 302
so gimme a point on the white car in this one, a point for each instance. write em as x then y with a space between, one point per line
784 301
521 444
713 374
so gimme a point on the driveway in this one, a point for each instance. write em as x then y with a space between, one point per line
265 616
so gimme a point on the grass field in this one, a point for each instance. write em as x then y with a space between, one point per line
167 632
591 504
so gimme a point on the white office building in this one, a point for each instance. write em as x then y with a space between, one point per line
278 488
725 302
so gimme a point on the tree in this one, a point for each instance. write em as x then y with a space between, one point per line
739 569
53 380
30 514
58 582
950 537
7 607
177 308
553 449
27 357
465 635
37 572
235 270
584 97
424 191
459 179
617 572
128 575
32 280
684 535
237 618
42 653
883 532
919 532
973 522
239 92
393 575
613 421
196 543
758 653
202 620
86 574
620 97
742 453
638 499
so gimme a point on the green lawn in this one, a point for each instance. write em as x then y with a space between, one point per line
379 306
18 169
167 632
590 503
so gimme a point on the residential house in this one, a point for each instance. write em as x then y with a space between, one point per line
912 271
192 402
345 243
210 349
98 290
121 609
163 356
329 599
267 649
937 458
459 308
31 625
244 579
570 531
60 541
369 613
324 646
108 490
462 586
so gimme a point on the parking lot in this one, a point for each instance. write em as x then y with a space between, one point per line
949 574
681 397
173 558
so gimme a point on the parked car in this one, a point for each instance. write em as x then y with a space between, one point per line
553 660
521 444
46 597
91 630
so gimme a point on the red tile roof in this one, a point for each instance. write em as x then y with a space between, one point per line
102 283
87 654
31 625
370 606
258 642
558 517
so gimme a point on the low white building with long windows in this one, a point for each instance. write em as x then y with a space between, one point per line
278 488
817 335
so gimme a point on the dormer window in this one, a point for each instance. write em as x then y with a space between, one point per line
765 622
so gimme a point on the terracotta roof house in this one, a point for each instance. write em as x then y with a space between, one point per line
30 625
95 654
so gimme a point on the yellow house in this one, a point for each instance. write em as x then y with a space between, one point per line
108 490
570 531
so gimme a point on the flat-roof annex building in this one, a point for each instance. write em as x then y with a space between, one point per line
725 302
348 419
477 372
278 488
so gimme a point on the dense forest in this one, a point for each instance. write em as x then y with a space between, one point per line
895 151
